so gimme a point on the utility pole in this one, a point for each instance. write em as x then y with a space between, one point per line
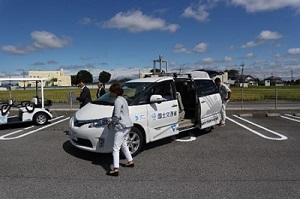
24 81
242 93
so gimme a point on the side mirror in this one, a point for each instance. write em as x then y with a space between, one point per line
156 99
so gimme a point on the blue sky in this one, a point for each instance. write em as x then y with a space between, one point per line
123 37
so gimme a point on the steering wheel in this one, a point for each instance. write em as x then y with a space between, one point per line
30 107
5 108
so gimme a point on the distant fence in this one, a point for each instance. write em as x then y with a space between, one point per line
274 97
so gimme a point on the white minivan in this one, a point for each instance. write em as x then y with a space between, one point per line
159 107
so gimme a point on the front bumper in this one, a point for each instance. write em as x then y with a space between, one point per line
95 139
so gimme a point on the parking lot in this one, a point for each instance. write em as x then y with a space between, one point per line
251 157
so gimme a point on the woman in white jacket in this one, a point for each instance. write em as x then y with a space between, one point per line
121 124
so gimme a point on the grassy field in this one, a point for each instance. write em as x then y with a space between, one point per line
290 93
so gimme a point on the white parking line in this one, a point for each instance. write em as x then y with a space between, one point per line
281 137
56 118
30 132
292 119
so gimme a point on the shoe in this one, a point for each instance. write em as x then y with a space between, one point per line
222 124
113 173
128 164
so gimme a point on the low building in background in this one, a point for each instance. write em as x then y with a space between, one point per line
54 78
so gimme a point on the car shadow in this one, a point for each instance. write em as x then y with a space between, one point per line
15 125
102 159
105 159
168 140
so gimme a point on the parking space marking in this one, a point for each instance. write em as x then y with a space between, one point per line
4 137
292 119
281 137
56 118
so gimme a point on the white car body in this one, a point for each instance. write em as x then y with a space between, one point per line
154 115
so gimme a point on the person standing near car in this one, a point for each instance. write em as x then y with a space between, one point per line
121 124
100 90
225 93
85 94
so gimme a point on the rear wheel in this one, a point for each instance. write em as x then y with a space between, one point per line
40 118
207 129
135 141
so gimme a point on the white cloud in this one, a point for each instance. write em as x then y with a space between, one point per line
179 48
13 50
85 21
249 55
228 59
136 21
264 36
44 39
208 60
269 35
251 44
199 13
294 51
200 48
266 5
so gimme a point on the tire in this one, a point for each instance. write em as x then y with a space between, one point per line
208 129
40 118
135 141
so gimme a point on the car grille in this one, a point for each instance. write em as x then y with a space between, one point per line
83 142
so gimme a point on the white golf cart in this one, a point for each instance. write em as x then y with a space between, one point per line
35 110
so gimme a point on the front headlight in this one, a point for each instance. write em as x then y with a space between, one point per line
99 122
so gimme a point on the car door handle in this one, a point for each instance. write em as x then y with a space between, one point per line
174 105
203 102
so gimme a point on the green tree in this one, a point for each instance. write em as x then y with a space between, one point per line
85 76
73 79
104 77
232 73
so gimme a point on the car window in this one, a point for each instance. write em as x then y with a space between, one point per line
205 87
165 89
133 90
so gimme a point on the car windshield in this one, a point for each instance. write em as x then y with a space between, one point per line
134 89
131 91
105 99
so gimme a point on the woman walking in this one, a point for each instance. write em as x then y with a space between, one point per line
121 124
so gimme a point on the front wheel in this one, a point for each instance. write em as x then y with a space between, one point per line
40 118
135 141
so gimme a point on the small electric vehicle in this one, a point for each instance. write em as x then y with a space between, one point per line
159 107
35 110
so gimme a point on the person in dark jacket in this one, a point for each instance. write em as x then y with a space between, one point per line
85 94
100 90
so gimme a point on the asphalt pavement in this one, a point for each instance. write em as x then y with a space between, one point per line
251 157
